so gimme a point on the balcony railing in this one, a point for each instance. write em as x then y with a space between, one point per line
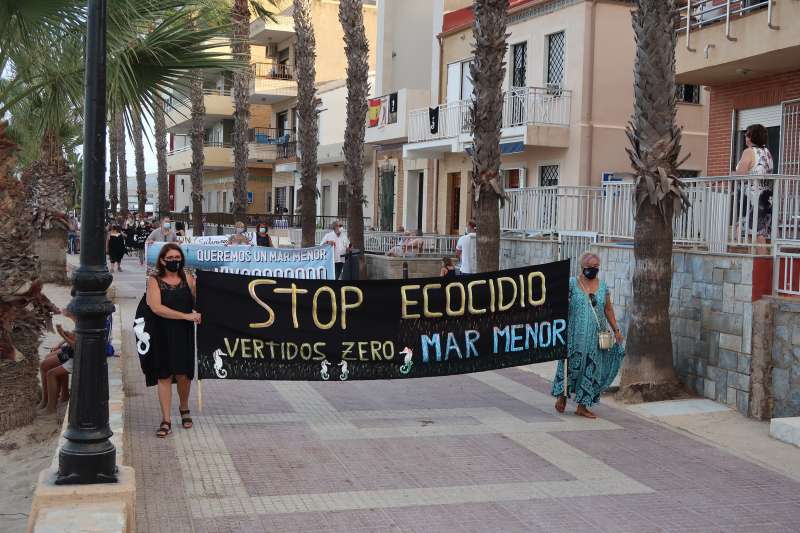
521 106
206 144
287 151
695 14
269 136
273 71
176 100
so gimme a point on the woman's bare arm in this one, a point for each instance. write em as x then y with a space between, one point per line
745 163
612 318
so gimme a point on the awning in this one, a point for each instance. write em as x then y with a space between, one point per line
505 148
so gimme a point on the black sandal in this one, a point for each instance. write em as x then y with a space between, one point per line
164 429
186 421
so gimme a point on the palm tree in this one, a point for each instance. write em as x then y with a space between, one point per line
240 43
488 73
655 142
197 137
351 17
113 157
161 158
141 175
122 166
144 62
306 72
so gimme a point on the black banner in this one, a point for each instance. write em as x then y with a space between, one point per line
292 329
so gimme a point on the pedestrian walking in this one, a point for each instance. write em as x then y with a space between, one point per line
170 297
340 244
263 237
594 353
465 249
72 235
115 247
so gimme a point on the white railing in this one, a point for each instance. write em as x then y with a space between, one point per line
787 270
521 106
747 214
394 243
695 14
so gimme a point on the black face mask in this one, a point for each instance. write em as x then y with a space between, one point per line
590 273
173 265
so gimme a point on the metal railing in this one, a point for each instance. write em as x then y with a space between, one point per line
695 14
206 144
173 101
521 106
287 150
273 71
269 136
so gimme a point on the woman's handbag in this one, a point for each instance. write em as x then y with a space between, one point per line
605 339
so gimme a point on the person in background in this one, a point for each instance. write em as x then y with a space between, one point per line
239 238
447 270
171 296
465 249
263 237
591 370
340 244
115 247
165 233
180 230
757 160
72 235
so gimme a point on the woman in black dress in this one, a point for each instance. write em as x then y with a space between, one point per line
262 236
170 296
116 247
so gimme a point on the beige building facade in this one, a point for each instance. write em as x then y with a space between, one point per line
569 96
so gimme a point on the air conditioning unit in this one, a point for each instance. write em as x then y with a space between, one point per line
272 50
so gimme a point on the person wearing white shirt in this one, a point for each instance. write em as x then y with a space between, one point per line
465 249
340 245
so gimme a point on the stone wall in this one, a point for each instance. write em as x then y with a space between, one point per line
786 358
711 312
516 253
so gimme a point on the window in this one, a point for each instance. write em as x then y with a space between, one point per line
513 178
282 122
686 174
341 201
183 185
269 202
459 81
687 94
556 65
519 58
548 175
280 199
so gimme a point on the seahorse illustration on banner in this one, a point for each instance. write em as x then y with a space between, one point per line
142 337
218 370
345 374
407 362
324 372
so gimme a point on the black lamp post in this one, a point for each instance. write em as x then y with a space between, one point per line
88 456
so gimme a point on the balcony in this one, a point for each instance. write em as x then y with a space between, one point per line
218 104
724 41
267 32
218 156
387 120
272 82
532 116
266 143
287 158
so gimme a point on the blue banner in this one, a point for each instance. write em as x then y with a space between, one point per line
299 263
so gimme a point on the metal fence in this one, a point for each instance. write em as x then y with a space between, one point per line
521 106
692 15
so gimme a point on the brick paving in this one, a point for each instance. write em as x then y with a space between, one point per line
482 452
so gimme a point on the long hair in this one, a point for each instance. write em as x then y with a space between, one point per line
161 270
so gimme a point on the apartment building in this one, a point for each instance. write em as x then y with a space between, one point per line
275 85
747 53
569 96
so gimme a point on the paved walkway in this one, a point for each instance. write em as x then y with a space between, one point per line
481 452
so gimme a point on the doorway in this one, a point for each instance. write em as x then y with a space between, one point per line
454 199
414 200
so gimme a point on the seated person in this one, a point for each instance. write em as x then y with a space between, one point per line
399 249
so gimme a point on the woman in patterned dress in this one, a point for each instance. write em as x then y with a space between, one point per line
757 160
591 370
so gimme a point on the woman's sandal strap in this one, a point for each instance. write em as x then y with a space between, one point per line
186 421
164 429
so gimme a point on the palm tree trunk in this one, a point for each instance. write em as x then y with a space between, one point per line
141 175
240 18
305 68
49 183
488 71
351 17
161 159
648 372
198 158
113 176
122 165
24 310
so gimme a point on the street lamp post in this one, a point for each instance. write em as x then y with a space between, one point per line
88 456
